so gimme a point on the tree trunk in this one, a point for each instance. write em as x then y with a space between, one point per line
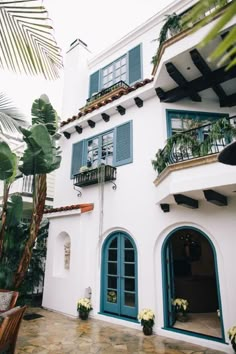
39 197
4 215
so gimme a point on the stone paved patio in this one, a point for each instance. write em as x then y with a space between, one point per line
58 334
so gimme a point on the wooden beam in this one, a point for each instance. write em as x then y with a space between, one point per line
186 201
204 69
105 117
219 76
79 129
228 101
138 101
66 135
121 110
91 123
215 197
165 207
176 75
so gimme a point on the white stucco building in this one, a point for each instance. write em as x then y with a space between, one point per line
134 237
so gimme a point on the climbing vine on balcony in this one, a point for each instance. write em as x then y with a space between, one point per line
187 145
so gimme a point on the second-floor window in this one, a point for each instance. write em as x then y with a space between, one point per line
179 121
113 147
100 150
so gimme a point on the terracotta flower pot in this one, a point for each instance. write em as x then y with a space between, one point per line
147 330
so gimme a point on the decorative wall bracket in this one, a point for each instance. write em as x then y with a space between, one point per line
79 193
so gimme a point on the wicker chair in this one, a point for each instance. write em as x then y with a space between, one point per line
9 329
13 299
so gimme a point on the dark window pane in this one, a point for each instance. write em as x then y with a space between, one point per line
111 296
113 243
129 284
128 244
112 268
112 282
129 256
112 255
130 299
129 270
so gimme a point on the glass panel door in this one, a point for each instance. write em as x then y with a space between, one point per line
120 278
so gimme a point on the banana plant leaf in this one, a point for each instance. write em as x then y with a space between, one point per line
41 155
14 210
43 112
8 162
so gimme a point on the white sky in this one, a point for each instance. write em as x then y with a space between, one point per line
97 23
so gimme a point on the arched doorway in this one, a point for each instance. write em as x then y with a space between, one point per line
119 276
190 273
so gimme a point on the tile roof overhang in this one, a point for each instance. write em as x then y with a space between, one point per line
107 100
69 210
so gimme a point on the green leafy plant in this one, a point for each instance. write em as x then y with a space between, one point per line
173 25
146 316
225 51
188 145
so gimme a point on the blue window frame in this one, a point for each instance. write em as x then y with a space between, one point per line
179 120
127 68
114 72
113 147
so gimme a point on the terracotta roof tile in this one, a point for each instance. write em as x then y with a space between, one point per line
84 208
107 101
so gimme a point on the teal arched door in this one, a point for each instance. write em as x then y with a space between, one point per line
119 276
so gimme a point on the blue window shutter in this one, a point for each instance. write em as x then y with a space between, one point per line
123 144
94 83
134 64
77 157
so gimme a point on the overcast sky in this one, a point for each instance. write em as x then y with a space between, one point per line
97 23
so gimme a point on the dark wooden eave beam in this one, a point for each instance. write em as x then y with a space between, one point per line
91 123
204 69
79 129
201 83
186 201
105 117
215 197
228 101
66 135
176 75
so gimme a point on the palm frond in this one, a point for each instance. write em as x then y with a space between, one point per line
10 117
27 43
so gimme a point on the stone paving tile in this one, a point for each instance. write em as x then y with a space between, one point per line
58 334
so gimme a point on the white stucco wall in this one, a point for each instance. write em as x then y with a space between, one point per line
133 206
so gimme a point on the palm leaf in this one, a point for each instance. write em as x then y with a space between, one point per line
10 117
27 44
199 11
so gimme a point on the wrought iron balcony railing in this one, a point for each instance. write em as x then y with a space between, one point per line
205 140
96 175
118 85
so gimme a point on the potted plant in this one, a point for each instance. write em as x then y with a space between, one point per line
181 308
232 337
146 316
84 306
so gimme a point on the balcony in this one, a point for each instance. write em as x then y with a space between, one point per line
188 165
205 140
106 93
94 176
